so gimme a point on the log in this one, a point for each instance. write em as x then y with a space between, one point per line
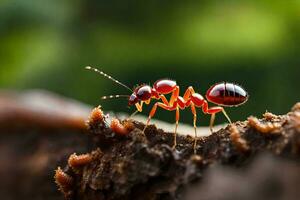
47 151
131 164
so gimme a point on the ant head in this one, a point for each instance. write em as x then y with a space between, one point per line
140 93
132 99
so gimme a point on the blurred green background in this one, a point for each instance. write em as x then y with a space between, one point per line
46 44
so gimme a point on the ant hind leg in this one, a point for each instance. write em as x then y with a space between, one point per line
195 126
227 117
213 111
212 121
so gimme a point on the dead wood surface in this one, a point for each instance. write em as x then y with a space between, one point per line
144 166
251 159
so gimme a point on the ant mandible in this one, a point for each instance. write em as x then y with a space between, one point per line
222 94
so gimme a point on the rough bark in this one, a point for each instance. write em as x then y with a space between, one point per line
144 166
252 159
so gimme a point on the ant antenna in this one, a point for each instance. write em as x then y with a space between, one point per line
114 96
107 76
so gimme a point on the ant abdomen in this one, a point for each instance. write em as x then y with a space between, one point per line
226 94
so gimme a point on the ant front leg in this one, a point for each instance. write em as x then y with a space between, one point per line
139 107
153 111
133 114
167 107
213 111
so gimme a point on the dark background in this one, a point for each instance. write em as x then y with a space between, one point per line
47 44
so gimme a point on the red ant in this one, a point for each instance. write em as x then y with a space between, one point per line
222 94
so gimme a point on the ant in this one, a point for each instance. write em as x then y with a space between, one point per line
222 94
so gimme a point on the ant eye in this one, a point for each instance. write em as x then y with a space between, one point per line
143 92
132 99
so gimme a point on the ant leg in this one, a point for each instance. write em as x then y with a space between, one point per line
195 126
164 99
139 107
151 114
188 93
227 117
213 111
174 96
212 120
133 114
153 110
176 126
148 101
164 105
